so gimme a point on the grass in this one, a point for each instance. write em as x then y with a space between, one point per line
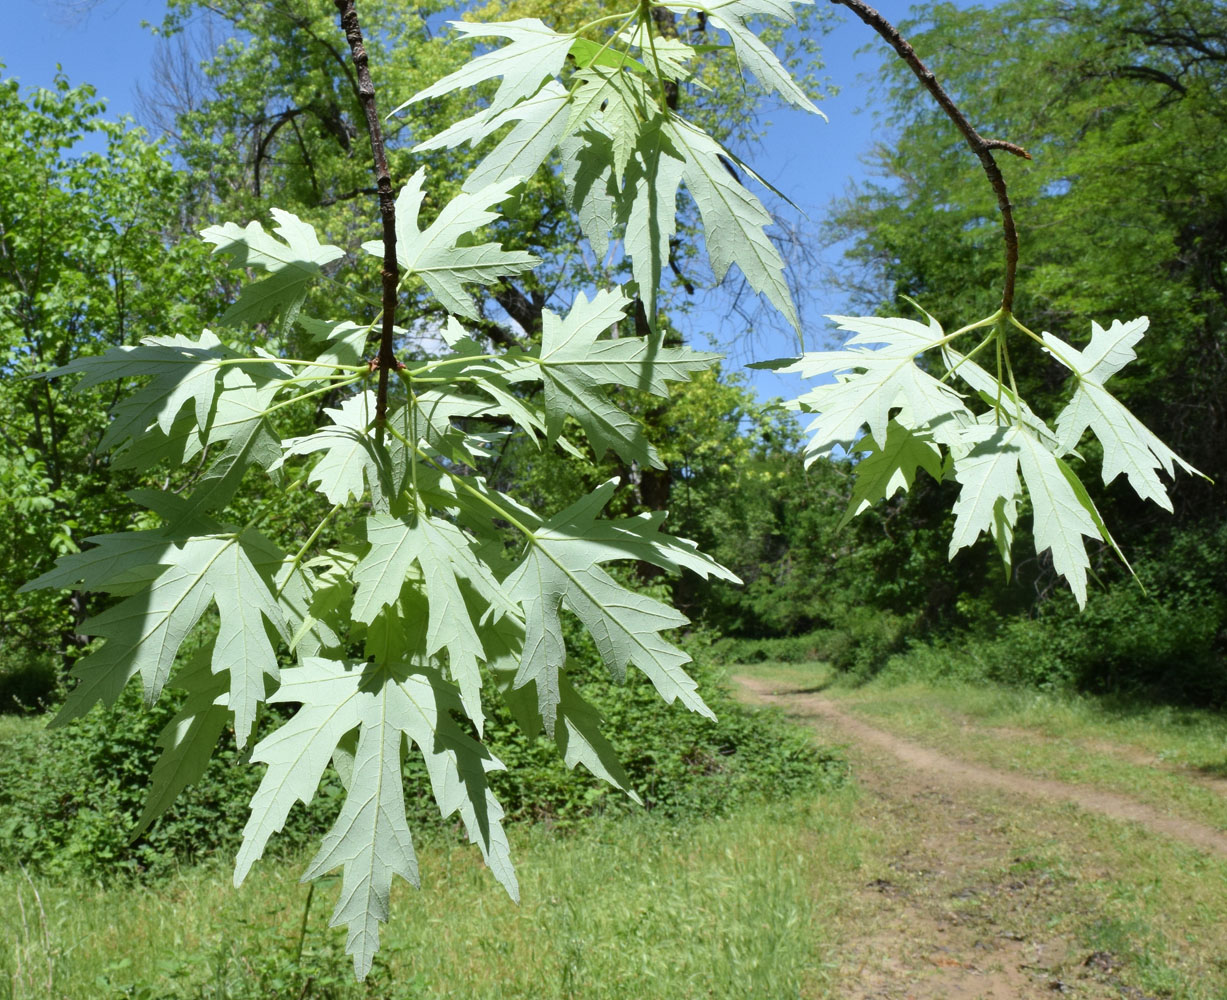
18 725
626 909
1158 754
1156 905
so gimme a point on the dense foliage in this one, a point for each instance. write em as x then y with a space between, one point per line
84 265
70 798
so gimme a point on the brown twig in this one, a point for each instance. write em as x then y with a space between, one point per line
983 148
385 361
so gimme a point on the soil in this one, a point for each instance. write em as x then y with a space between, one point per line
956 913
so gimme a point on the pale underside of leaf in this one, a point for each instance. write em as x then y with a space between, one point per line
535 53
734 220
562 567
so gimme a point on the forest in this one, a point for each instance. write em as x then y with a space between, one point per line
581 442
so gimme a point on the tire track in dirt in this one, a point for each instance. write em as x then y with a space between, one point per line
966 774
950 906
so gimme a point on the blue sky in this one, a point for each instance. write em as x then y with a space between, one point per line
810 161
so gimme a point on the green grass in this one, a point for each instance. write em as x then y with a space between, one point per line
12 726
627 909
1157 905
760 904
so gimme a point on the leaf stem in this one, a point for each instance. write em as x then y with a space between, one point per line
645 17
608 41
987 321
315 378
315 392
1047 347
311 540
291 361
623 15
407 379
462 482
453 359
970 355
1009 370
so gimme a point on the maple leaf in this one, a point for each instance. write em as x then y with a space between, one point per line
672 56
993 454
1129 446
587 161
436 257
1060 512
183 370
577 728
535 54
890 467
619 102
612 108
344 345
575 366
189 738
872 383
445 559
353 458
731 16
370 839
988 475
292 265
649 212
541 123
562 565
144 632
734 220
240 422
311 594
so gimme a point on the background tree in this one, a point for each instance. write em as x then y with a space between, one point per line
85 264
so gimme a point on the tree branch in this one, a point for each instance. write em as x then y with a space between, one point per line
385 361
524 310
347 196
979 145
262 149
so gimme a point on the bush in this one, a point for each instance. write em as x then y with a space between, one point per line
808 648
860 645
28 682
69 798
867 638
1124 643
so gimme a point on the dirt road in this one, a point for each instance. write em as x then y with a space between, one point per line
952 910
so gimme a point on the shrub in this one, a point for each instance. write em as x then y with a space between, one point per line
69 798
28 682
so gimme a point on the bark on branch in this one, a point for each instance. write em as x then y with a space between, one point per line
982 147
385 361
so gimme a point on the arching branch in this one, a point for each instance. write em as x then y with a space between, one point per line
982 147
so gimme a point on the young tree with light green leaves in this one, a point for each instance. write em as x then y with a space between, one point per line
423 591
